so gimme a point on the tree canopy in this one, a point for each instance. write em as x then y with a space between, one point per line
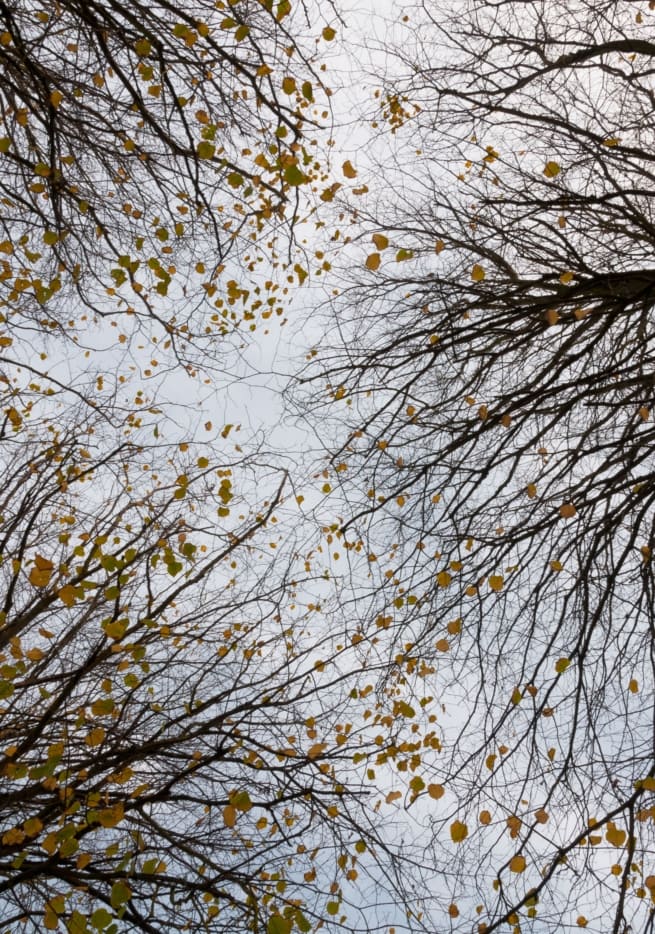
497 382
387 667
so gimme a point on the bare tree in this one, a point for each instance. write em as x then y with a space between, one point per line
495 365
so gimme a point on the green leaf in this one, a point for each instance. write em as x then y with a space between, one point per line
6 689
403 254
120 894
294 176
100 919
278 925
205 150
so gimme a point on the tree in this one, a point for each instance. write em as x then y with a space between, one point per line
142 145
493 363
177 737
181 744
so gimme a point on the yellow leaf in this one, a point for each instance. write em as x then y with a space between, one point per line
49 843
531 490
517 864
541 816
35 655
615 836
513 825
95 737
373 261
6 341
50 919
40 578
15 835
380 241
458 831
566 277
439 246
288 85
316 750
436 791
552 316
229 815
633 687
43 564
67 595
562 664
567 510
496 582
110 817
478 273
348 170
551 169
485 817
329 33
443 578
442 645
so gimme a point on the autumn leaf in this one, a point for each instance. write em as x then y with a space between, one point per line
41 572
552 169
443 578
120 894
614 835
348 170
95 737
67 595
229 815
458 831
316 750
567 510
477 273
